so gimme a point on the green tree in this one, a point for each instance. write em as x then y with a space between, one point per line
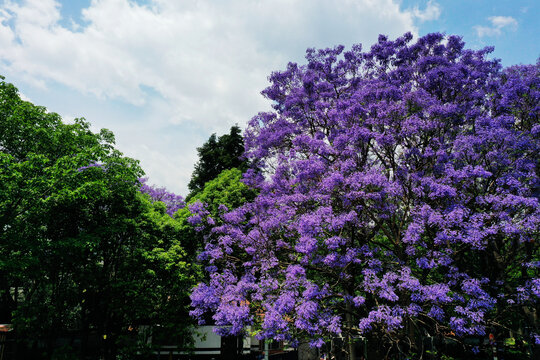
226 191
216 155
81 248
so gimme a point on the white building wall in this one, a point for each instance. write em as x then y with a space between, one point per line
206 339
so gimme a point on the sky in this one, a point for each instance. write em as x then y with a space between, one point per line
164 75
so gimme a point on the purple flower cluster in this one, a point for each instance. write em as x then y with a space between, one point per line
172 201
90 166
399 185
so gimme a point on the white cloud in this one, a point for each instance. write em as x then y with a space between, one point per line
201 63
26 98
498 23
430 13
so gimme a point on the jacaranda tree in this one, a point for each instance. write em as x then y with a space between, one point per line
172 201
398 198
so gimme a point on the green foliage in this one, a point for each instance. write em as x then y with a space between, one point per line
81 248
226 189
216 155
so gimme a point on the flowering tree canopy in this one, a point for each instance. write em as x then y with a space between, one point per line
398 196
172 201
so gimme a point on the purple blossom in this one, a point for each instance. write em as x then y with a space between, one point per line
395 183
91 165
535 287
436 312
172 201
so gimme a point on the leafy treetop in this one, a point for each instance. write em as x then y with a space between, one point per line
216 155
81 246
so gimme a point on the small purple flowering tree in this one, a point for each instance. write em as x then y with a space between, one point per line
172 201
398 198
